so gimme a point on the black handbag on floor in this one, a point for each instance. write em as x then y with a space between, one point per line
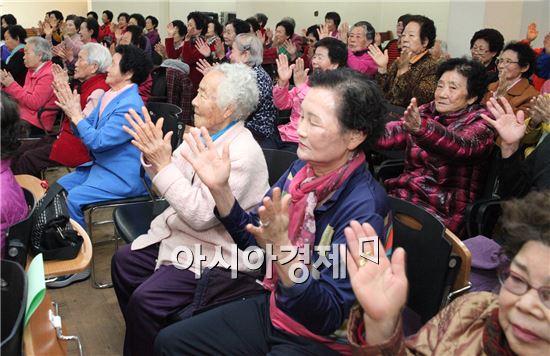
52 233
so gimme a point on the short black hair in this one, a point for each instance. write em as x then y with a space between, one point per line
154 20
337 50
136 61
10 19
139 19
92 25
137 36
58 15
76 19
526 56
404 18
312 30
109 14
289 28
10 125
362 105
200 21
94 15
218 28
427 28
240 26
125 15
334 17
262 18
474 72
253 23
182 28
17 32
493 37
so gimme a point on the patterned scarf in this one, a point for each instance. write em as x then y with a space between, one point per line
307 190
494 340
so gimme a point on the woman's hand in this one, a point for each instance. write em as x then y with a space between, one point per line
203 48
381 288
283 70
148 138
502 87
290 48
411 116
322 31
343 32
219 48
532 32
161 50
170 30
203 66
269 36
380 58
404 62
273 227
212 169
6 78
68 101
59 74
510 127
540 110
300 74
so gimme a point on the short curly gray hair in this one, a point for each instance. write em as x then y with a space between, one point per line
42 47
238 89
98 54
251 43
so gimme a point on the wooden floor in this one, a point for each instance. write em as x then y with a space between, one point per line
92 314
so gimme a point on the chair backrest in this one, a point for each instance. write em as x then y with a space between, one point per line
29 198
18 238
158 88
459 248
14 301
170 113
278 162
429 260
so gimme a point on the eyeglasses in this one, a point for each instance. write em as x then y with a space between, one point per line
479 50
310 41
516 285
504 61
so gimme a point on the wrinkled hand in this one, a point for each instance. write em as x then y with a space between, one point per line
212 169
381 288
540 110
380 58
47 29
68 101
404 62
261 37
274 215
203 66
300 74
510 127
68 54
269 35
59 74
161 50
290 48
532 32
323 31
203 48
219 48
148 138
411 117
343 32
170 30
284 70
502 84
6 78
40 29
118 34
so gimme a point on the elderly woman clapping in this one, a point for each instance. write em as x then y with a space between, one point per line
37 91
67 149
447 144
328 186
148 283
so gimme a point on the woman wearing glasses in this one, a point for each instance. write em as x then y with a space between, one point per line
485 46
515 65
516 321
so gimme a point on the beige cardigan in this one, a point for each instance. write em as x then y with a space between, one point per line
190 219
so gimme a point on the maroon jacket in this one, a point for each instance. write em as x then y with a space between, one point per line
444 167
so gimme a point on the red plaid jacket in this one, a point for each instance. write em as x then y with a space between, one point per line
445 163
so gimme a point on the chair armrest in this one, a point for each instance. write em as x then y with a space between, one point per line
471 215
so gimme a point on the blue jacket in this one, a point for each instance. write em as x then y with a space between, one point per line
322 304
115 164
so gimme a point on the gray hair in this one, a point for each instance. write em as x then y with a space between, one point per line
369 29
238 89
251 43
42 47
97 54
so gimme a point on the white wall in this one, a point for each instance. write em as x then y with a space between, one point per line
28 13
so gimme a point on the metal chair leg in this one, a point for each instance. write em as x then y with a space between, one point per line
95 283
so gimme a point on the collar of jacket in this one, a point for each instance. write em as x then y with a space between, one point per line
429 109
519 88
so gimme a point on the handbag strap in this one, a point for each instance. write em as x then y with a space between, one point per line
53 190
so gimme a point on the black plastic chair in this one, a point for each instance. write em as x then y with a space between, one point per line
431 269
158 88
278 161
389 169
18 235
14 301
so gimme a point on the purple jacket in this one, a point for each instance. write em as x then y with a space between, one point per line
13 207
153 37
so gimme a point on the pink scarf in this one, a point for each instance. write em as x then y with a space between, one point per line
307 190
